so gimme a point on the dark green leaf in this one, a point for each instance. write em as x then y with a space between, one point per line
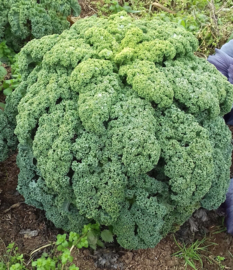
100 243
7 91
3 72
92 246
6 84
107 236
2 105
92 238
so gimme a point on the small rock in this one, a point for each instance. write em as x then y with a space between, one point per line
201 214
193 225
28 233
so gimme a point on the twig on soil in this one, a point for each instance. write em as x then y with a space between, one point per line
72 248
16 205
38 249
162 7
201 55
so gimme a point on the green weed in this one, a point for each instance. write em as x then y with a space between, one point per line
8 57
6 54
192 253
60 257
220 228
219 260
10 85
12 260
114 6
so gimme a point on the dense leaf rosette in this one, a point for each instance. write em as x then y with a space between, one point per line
22 20
119 123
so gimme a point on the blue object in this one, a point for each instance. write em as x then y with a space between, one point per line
228 205
223 61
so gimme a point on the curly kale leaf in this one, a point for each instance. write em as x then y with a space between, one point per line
119 123
22 20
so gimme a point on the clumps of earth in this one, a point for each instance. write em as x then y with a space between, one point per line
108 258
199 224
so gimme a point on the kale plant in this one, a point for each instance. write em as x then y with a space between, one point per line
23 20
119 123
